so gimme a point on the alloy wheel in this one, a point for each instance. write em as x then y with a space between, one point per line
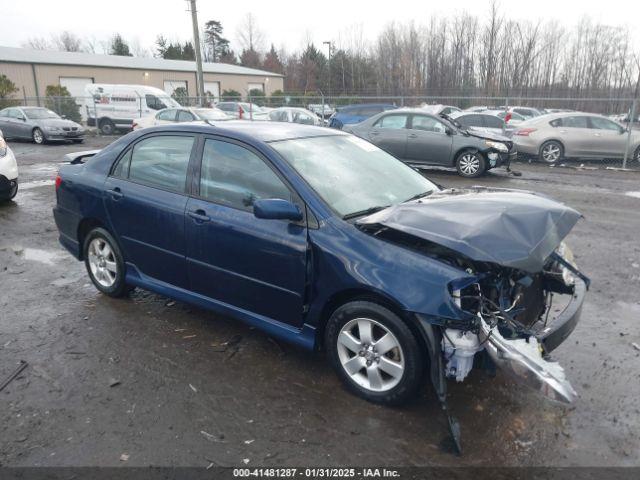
469 164
102 262
370 354
37 136
551 153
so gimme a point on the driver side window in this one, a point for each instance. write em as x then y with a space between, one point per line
427 124
234 176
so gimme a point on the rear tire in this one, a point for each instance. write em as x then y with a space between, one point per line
551 152
105 263
470 164
636 155
107 127
37 136
374 353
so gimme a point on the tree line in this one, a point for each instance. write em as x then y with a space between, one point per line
462 55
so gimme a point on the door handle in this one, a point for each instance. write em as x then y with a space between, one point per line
374 133
200 216
413 135
597 134
115 193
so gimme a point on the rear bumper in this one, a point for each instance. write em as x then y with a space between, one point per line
67 223
526 145
558 331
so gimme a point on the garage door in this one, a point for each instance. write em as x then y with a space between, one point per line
212 90
170 86
76 85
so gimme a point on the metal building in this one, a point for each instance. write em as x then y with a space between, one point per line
33 70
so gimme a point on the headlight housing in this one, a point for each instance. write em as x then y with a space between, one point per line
53 129
3 147
501 147
565 252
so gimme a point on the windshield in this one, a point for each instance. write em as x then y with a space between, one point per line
251 107
40 113
352 175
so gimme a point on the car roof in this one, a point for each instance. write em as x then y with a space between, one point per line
246 129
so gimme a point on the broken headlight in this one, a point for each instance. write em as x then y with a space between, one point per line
565 252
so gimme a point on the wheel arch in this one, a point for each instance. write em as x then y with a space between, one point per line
84 227
552 139
364 294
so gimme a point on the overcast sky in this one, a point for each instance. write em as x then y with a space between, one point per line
287 24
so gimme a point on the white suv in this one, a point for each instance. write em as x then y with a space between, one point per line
8 172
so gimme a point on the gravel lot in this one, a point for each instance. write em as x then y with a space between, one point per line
144 381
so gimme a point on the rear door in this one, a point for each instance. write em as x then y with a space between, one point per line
145 196
390 134
253 264
428 141
607 138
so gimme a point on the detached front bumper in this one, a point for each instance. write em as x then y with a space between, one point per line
7 187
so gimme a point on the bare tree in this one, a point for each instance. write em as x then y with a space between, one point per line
249 35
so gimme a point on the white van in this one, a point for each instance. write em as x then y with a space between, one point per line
114 107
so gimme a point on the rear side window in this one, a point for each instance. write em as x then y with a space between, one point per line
575 122
154 102
470 121
556 123
236 177
184 116
167 115
159 161
396 122
492 122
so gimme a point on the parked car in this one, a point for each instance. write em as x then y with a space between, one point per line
243 110
439 109
478 109
113 107
40 125
178 115
8 171
575 135
483 122
324 240
526 112
357 113
421 139
323 111
511 118
295 115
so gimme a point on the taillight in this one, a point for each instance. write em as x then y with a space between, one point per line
524 132
240 112
58 181
134 125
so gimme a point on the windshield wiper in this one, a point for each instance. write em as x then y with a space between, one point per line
419 195
361 213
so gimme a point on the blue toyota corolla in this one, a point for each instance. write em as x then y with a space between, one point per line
322 239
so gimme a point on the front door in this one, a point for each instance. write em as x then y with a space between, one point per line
145 196
390 134
428 141
607 138
253 264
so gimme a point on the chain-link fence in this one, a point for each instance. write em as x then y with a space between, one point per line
610 138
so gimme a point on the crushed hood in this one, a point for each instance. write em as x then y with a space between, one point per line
512 228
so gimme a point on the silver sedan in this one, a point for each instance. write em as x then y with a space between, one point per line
39 124
553 137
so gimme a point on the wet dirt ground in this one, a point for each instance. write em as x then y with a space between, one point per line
148 381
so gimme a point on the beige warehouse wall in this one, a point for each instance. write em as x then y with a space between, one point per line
22 75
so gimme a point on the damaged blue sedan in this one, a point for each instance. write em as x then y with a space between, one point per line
322 239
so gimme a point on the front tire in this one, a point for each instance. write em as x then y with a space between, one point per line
636 155
37 136
551 152
470 164
375 353
105 263
107 127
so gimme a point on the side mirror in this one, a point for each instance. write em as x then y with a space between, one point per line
448 131
276 209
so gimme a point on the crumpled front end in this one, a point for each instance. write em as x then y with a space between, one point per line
519 294
519 319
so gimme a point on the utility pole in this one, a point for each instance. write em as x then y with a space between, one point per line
632 117
196 46
329 87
